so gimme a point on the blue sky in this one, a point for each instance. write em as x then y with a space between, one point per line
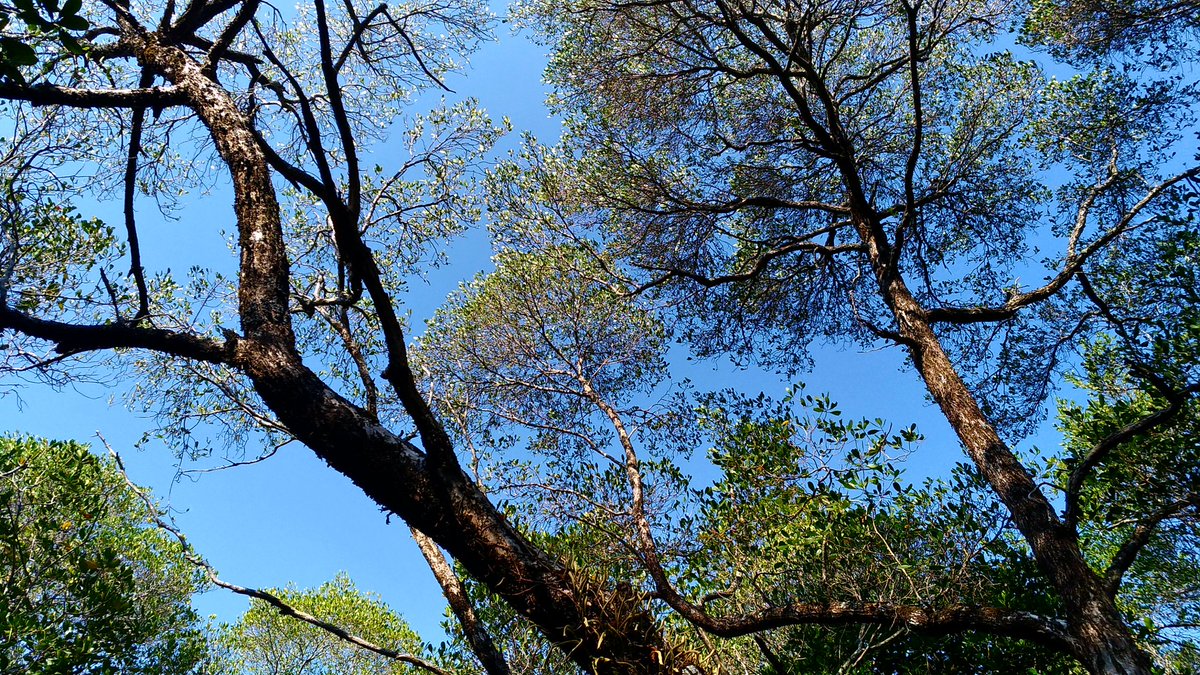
291 519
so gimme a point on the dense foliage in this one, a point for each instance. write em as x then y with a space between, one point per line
87 585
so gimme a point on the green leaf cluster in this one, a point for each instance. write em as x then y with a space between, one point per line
1145 365
1083 30
86 585
25 25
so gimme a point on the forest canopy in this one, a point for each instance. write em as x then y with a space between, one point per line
1002 193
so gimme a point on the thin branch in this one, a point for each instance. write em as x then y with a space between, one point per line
760 264
909 220
1141 535
770 655
344 215
1089 291
112 294
341 118
197 14
325 189
131 164
1101 449
361 26
416 53
229 464
284 608
735 205
340 324
866 649
1025 625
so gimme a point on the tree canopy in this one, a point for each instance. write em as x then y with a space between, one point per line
97 582
736 179
88 586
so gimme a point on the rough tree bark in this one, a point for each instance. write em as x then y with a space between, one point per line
1099 637
606 631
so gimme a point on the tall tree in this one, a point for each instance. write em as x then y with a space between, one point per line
748 175
241 74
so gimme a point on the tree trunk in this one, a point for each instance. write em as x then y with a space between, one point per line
477 636
603 629
1100 638
1102 641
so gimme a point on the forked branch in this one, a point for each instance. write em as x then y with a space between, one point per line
1072 266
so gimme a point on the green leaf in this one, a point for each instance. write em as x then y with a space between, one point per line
74 22
18 53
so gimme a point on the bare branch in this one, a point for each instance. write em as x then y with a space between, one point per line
284 608
1074 263
477 636
131 165
75 338
1141 536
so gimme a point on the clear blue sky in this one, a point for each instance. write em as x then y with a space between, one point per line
291 519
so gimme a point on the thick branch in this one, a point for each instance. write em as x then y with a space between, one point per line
74 338
48 94
263 270
477 636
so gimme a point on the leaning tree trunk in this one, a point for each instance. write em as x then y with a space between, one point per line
602 629
1100 639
